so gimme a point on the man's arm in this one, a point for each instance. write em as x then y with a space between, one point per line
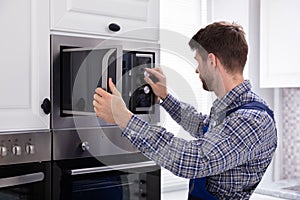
230 144
185 115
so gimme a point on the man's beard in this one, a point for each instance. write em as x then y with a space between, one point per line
204 85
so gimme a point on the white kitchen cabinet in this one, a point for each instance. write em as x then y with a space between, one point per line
279 43
25 64
137 19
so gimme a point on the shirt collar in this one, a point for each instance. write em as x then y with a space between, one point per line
225 102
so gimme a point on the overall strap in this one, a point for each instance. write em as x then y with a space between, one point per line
254 105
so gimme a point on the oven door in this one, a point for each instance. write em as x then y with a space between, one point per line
25 181
130 181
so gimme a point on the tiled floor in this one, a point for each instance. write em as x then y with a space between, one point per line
182 195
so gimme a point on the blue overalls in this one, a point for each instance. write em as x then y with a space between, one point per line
197 186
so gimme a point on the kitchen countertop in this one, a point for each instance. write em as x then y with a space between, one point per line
285 189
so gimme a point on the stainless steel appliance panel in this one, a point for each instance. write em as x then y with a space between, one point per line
25 167
79 143
25 147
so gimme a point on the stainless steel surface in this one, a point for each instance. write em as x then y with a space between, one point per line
25 147
101 141
111 168
23 179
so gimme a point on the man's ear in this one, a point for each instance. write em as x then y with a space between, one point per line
212 59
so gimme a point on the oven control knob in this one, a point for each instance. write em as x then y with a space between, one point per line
17 150
85 146
3 151
30 149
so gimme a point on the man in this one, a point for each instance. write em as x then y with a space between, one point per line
233 145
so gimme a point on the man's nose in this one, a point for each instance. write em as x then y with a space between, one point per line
197 71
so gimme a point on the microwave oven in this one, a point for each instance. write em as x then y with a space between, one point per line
81 64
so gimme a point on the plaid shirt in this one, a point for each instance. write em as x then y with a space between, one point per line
234 153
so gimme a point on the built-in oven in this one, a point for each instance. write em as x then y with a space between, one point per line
79 65
91 160
25 168
90 164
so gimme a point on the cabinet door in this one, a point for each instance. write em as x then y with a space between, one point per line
279 43
25 64
136 18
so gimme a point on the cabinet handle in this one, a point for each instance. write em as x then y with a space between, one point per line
114 27
46 106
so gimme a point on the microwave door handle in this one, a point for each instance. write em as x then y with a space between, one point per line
111 168
23 179
104 73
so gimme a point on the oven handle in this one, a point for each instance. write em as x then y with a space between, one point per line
110 168
23 179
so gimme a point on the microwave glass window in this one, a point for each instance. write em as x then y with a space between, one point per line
82 71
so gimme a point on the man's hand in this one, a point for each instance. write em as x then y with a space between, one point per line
111 107
159 88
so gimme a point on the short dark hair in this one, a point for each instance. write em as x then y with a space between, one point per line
225 40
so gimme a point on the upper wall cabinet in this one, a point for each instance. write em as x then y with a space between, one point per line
279 43
138 19
24 64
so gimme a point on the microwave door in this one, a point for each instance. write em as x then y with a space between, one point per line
83 70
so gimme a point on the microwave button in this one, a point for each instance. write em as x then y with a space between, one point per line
146 74
146 89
